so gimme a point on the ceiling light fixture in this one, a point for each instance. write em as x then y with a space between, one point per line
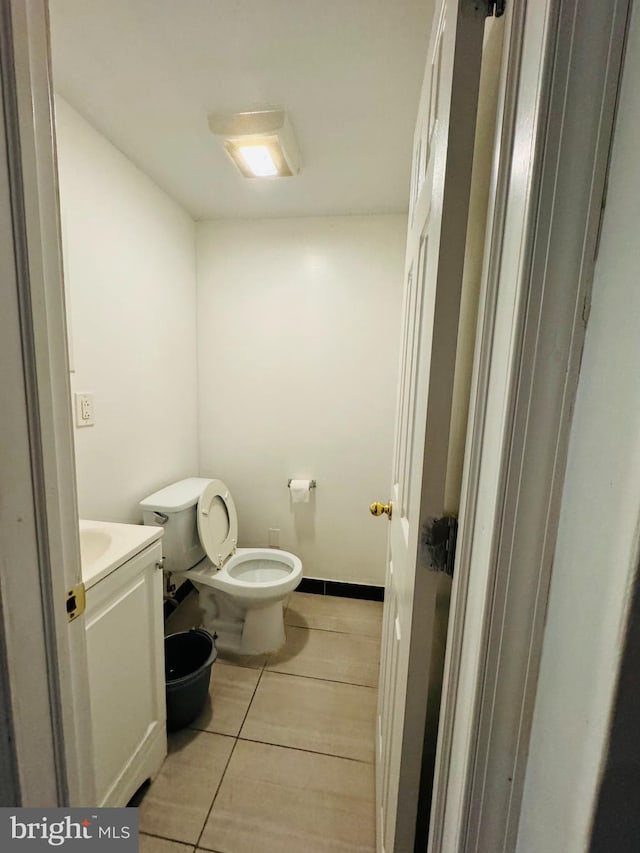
260 143
258 160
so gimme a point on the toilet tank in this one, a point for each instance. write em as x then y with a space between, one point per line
175 509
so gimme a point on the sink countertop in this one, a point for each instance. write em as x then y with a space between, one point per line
106 545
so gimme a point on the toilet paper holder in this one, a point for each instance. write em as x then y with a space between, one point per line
312 483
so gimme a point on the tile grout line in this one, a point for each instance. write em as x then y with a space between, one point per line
226 767
319 678
335 631
234 738
215 734
192 847
309 751
166 838
308 627
253 695
260 670
235 741
352 632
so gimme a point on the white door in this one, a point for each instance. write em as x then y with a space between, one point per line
416 601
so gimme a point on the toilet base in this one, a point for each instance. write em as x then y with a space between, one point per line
252 631
263 630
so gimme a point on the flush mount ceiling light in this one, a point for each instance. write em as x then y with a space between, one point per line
260 143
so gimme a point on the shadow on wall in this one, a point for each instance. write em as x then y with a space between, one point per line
304 519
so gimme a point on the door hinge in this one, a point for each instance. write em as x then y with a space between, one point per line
438 543
76 602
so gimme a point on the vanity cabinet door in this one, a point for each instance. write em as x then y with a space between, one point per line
125 651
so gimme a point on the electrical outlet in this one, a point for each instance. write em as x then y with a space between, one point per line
85 415
274 537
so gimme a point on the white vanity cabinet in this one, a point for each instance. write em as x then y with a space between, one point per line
125 652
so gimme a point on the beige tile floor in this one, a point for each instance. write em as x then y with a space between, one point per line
281 757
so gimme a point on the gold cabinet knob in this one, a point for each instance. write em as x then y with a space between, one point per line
377 508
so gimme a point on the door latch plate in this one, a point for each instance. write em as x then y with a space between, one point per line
76 602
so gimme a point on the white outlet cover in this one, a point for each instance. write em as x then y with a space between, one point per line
84 410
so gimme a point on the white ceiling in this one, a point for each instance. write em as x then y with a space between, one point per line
146 73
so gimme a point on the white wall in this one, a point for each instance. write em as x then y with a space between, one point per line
597 548
130 279
298 330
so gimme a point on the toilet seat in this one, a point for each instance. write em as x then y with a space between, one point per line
254 573
217 522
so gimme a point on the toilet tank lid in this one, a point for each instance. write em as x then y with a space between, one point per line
177 496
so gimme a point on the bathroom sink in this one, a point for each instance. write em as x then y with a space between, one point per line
106 545
93 543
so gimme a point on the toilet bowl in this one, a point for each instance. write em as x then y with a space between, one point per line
241 590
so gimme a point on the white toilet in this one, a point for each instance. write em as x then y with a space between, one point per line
241 589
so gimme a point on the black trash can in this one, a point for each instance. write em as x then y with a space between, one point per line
188 657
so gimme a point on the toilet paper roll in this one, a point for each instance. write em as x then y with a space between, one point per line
300 490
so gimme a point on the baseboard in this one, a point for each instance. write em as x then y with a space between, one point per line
317 586
368 592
